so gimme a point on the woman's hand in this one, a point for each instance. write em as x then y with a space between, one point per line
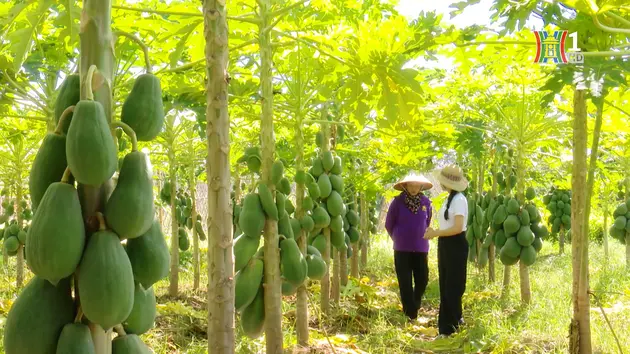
431 233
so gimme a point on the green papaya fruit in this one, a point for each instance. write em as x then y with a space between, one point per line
313 190
297 228
277 172
285 186
143 313
90 149
337 239
130 209
59 214
307 204
200 231
143 110
106 280
316 267
337 166
312 250
319 242
354 234
245 248
48 166
149 256
321 217
69 95
21 236
336 183
266 199
288 289
307 223
38 316
246 283
334 204
75 338
252 218
290 259
328 161
353 218
530 194
288 206
129 344
284 226
525 236
11 244
254 163
300 177
511 248
317 168
281 201
184 243
325 187
253 316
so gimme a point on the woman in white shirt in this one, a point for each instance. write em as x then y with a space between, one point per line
452 248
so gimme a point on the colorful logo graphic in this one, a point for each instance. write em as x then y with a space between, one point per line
551 48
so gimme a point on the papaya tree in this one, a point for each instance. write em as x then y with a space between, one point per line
97 215
20 152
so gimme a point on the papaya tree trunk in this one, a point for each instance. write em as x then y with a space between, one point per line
96 48
193 216
526 293
491 249
343 267
592 165
354 260
19 276
335 289
220 229
174 274
301 322
580 331
273 282
605 237
5 254
628 251
480 181
561 240
365 232
160 209
325 282
507 270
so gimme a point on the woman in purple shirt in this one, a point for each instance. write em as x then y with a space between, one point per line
408 217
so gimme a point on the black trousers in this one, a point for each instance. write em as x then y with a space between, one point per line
411 267
452 262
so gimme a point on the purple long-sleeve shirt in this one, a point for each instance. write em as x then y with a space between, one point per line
406 228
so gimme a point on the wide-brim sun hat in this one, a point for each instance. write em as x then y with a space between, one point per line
452 177
413 178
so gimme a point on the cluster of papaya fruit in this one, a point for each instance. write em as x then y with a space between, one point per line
113 288
256 208
516 229
14 237
183 209
621 190
477 228
621 227
506 182
12 233
325 185
558 202
9 210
